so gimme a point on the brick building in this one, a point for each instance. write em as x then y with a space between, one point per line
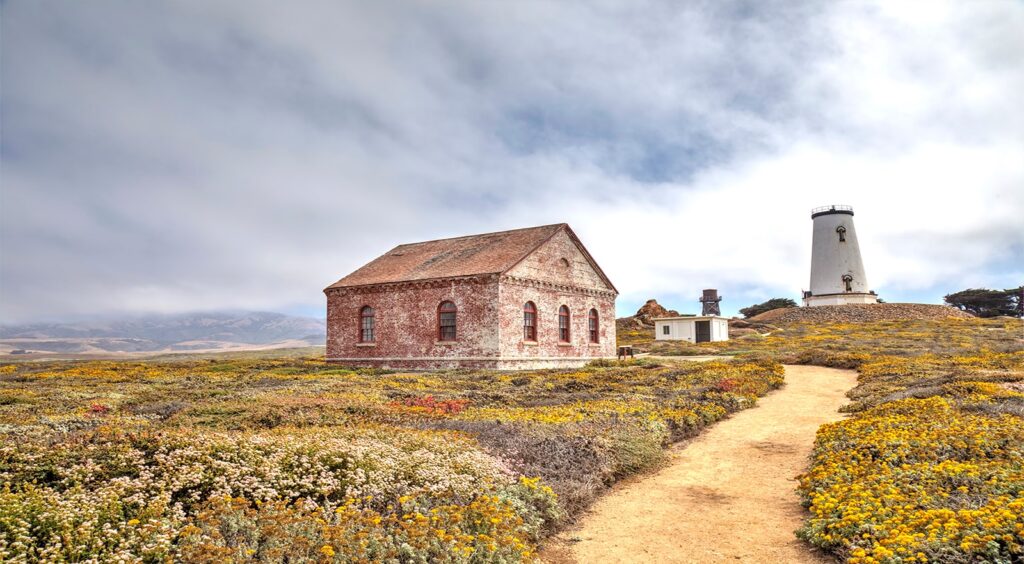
526 298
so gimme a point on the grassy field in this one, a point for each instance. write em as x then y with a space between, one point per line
258 456
847 345
255 457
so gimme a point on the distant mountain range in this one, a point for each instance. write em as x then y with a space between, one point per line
184 332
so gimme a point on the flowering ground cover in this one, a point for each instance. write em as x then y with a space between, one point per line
918 480
847 345
930 466
267 458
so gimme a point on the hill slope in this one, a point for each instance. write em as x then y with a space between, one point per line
859 312
194 331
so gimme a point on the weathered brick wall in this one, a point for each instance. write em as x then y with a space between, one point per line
406 323
545 265
556 274
548 351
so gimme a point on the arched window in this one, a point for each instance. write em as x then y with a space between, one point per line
446 321
563 324
592 325
529 322
842 233
848 280
366 325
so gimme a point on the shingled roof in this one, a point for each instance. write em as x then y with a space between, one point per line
488 253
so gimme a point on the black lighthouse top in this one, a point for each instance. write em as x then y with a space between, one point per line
829 210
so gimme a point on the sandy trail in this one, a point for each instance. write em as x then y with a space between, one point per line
727 496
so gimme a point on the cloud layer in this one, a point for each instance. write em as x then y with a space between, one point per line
194 155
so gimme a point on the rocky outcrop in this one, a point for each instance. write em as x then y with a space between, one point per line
739 327
652 309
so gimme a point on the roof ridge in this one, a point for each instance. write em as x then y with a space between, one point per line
482 234
455 256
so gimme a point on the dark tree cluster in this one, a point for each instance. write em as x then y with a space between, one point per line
774 303
983 302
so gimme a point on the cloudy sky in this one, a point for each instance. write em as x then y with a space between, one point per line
198 155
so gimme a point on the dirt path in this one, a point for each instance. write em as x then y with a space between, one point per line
728 496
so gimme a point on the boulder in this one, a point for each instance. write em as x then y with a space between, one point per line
652 309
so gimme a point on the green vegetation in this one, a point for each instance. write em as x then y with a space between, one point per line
251 457
262 456
847 345
774 303
989 303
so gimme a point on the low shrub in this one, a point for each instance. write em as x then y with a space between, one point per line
487 528
918 480
270 459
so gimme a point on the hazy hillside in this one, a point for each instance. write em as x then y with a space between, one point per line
165 332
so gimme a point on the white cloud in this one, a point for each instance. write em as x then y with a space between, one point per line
193 155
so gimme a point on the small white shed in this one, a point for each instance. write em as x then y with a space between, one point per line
696 329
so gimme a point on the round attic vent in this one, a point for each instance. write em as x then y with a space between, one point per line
563 261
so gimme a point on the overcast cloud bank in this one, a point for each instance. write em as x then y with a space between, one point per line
193 155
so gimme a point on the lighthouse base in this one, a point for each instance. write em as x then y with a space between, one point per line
840 299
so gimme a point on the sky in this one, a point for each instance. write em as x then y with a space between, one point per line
174 156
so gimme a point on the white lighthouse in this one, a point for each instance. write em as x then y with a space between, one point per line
837 272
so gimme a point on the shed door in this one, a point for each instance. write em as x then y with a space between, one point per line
703 331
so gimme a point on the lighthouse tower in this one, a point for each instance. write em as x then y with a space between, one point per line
837 272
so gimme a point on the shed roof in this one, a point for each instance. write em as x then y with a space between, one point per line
487 253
